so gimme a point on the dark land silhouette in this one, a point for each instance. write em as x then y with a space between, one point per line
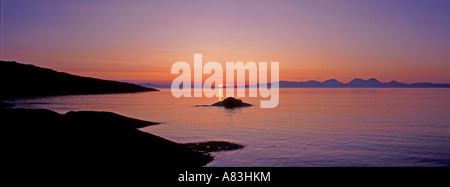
358 83
104 141
333 83
37 139
153 85
22 80
231 102
213 146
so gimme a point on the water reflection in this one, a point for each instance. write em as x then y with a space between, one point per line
310 127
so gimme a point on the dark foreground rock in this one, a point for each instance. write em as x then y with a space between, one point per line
6 105
214 146
35 139
231 102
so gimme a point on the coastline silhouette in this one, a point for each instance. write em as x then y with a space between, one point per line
97 140
41 138
21 80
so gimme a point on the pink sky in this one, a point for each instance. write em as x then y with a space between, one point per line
408 41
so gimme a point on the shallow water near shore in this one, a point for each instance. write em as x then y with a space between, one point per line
310 127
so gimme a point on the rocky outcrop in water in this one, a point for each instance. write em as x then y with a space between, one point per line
231 102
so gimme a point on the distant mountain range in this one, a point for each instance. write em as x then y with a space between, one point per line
358 83
333 83
23 80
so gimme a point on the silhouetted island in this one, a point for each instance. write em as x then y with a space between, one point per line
40 138
231 102
22 80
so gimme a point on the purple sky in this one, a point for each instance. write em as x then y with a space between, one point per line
405 40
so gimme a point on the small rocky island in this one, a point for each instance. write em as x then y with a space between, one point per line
231 102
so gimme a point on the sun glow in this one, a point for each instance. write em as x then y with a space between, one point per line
220 92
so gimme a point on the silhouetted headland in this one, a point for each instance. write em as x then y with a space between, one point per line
153 85
40 138
231 102
22 80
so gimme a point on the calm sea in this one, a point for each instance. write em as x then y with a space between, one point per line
310 127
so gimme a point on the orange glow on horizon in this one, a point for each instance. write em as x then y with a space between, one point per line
312 41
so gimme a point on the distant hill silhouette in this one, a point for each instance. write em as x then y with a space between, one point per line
331 83
22 80
358 83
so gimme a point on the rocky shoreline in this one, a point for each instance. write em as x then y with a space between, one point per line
33 138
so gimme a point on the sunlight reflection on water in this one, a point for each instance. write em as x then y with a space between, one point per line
310 127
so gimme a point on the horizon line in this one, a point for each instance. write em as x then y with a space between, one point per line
170 82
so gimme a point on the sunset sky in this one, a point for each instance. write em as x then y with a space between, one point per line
403 40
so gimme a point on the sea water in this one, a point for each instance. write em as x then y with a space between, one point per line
309 127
